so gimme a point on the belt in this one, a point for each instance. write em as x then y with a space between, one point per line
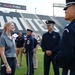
10 57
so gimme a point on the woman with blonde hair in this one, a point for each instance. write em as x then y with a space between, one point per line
7 50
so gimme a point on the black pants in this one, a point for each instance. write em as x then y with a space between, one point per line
47 62
29 60
68 71
12 64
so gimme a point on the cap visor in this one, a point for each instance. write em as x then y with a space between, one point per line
65 8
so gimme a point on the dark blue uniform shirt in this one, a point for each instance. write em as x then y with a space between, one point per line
50 41
29 44
67 44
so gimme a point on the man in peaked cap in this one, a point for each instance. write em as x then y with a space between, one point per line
67 44
29 30
49 44
49 22
29 46
69 3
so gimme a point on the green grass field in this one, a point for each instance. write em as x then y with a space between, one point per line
39 71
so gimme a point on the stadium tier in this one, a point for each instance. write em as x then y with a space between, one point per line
23 21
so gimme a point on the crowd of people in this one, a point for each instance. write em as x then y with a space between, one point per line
60 50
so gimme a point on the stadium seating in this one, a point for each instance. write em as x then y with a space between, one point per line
23 21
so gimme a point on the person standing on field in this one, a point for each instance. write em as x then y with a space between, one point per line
35 60
50 43
19 46
8 50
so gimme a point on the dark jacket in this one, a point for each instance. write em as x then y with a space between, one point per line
67 46
50 41
29 44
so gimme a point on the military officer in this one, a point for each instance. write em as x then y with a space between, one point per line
67 44
49 44
29 46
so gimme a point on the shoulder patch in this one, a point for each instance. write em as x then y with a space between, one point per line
66 30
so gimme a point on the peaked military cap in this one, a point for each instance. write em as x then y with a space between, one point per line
29 30
69 3
48 22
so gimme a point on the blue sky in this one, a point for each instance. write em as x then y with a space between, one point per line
44 7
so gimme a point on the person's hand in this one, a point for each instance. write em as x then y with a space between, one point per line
8 70
48 52
17 66
23 50
34 50
25 54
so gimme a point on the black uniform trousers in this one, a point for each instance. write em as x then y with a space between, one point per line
68 72
29 60
70 69
12 64
47 62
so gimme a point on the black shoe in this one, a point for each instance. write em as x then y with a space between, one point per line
35 68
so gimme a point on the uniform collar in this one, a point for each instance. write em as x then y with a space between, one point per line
29 36
51 32
73 21
72 25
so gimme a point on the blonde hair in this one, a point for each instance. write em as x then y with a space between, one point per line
7 24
